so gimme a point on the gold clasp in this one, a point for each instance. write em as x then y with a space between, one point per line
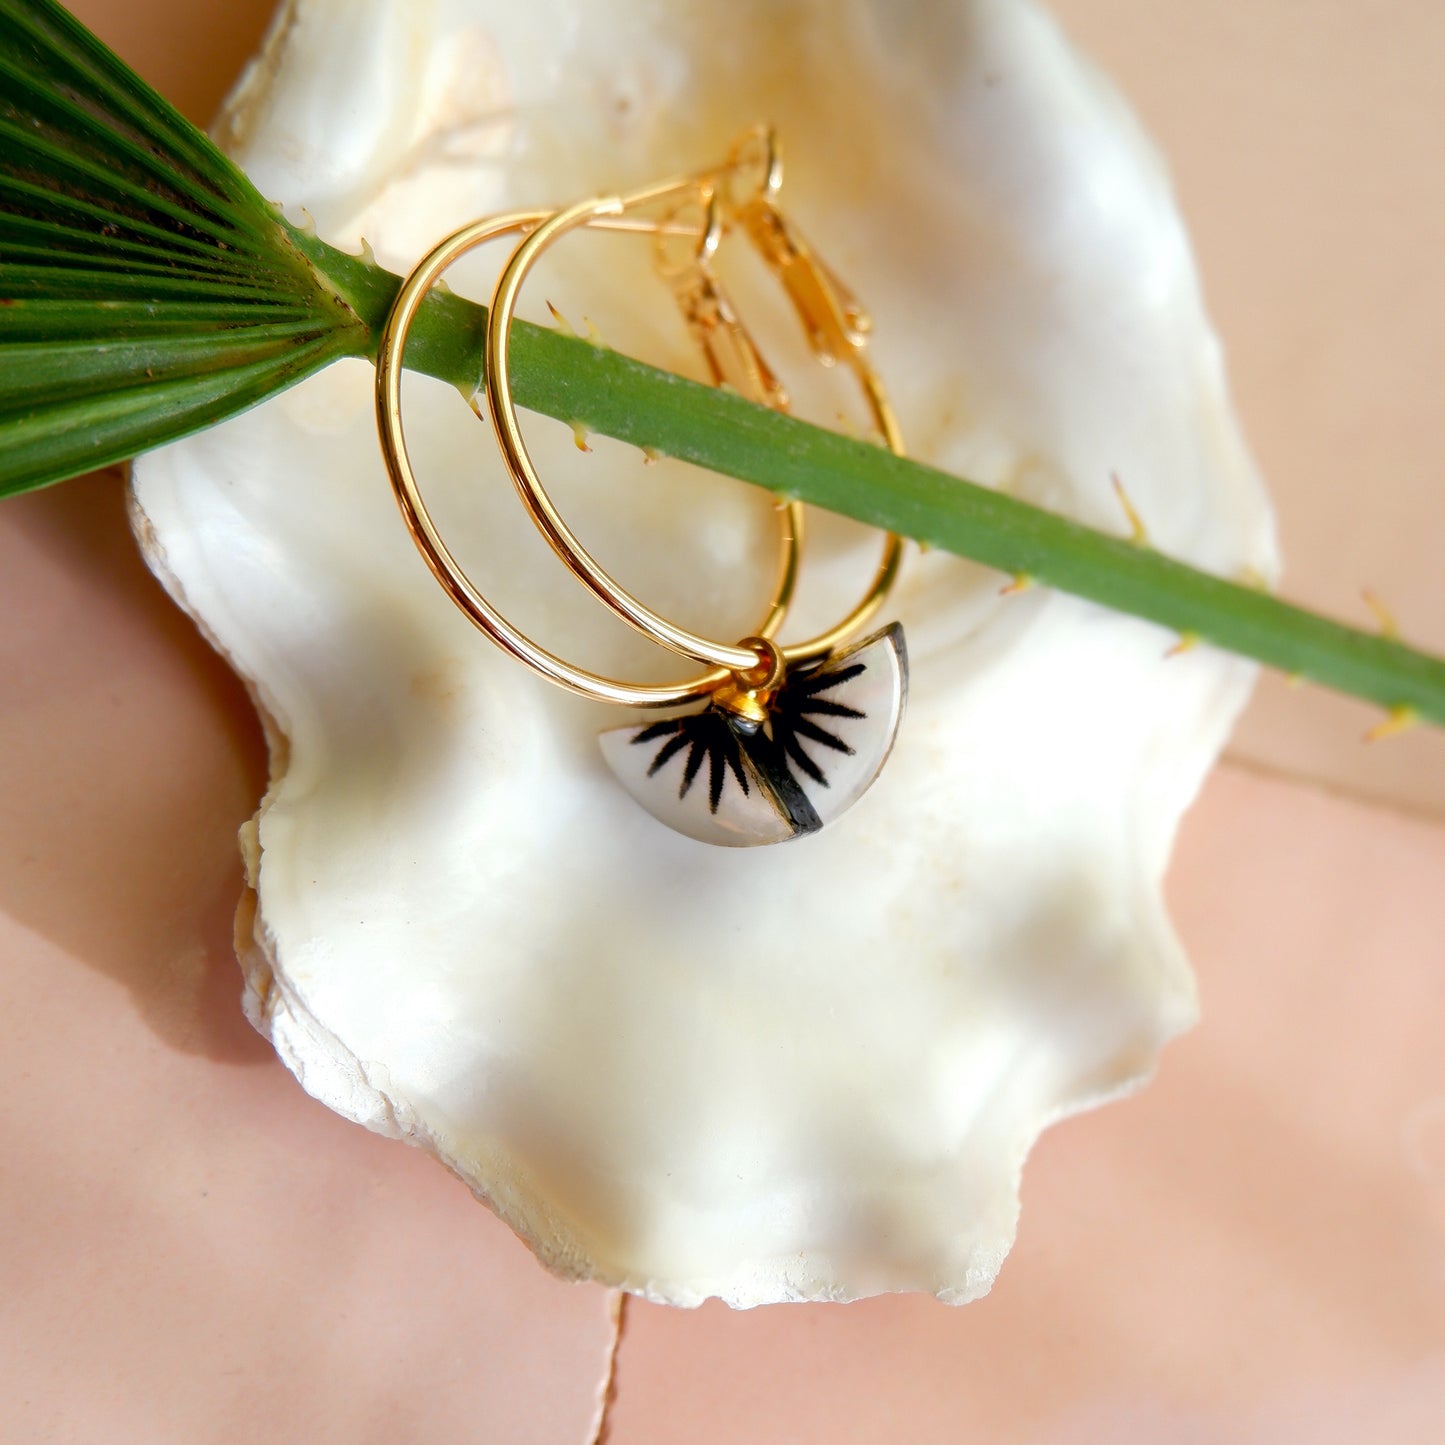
733 358
833 318
743 191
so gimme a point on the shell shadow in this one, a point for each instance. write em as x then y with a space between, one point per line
129 755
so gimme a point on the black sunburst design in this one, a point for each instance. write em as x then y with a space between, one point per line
720 739
709 737
798 703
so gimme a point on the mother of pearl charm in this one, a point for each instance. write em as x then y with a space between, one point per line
724 777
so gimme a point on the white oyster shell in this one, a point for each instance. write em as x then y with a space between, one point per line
777 1074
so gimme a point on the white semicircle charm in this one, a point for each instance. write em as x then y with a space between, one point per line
723 778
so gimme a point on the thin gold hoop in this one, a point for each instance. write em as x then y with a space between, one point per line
560 537
830 317
837 329
444 566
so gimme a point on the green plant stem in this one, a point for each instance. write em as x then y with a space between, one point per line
605 392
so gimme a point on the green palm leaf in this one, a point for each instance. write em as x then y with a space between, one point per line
146 289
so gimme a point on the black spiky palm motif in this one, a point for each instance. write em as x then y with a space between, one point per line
708 737
797 705
719 739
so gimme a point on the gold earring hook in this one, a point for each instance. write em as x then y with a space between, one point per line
732 355
756 157
833 318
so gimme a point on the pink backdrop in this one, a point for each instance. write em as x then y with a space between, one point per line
191 1250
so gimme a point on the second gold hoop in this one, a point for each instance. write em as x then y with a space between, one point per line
549 521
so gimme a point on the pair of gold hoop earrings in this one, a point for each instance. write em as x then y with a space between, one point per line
792 734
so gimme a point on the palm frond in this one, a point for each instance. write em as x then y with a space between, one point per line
146 289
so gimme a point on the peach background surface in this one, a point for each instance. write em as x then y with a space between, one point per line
191 1250
1304 137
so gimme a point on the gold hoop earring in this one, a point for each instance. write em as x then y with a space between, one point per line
836 327
768 708
788 753
444 566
